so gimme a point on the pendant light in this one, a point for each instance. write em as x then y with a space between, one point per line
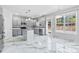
28 12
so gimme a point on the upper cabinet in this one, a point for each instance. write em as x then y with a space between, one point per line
18 21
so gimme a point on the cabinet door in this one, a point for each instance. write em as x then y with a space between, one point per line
14 32
16 21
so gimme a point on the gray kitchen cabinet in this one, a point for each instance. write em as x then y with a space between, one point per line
17 25
36 31
39 31
16 32
16 22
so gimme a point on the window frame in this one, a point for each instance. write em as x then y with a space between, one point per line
64 15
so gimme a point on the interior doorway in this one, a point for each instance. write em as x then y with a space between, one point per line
49 27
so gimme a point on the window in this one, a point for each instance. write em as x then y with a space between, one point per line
70 22
59 22
66 22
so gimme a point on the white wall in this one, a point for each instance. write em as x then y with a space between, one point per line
7 15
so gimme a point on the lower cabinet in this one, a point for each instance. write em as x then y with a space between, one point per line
39 31
36 31
16 32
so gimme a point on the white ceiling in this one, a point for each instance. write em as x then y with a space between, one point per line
36 10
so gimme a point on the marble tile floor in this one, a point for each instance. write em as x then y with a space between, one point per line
54 45
66 46
24 47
